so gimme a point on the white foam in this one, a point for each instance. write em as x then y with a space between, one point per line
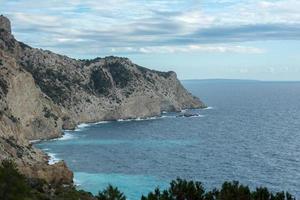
83 125
65 136
76 182
209 108
52 158
102 122
140 119
34 141
198 116
194 116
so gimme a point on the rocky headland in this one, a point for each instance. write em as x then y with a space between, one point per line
42 93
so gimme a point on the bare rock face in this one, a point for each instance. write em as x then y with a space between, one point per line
42 92
5 24
55 174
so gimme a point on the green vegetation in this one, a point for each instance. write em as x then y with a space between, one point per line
3 87
14 186
111 193
100 82
49 114
24 46
53 83
120 74
190 190
159 73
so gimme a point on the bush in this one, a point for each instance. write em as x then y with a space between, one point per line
13 185
111 193
189 190
100 82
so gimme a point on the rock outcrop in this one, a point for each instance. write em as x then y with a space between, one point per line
43 92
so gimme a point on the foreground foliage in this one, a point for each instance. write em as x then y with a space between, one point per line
190 190
14 186
111 193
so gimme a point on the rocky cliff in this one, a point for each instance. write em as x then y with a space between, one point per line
43 92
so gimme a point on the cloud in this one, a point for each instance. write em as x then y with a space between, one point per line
158 25
189 49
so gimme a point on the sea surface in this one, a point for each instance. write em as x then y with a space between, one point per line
250 133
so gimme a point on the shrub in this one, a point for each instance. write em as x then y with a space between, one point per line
100 82
189 190
13 185
111 193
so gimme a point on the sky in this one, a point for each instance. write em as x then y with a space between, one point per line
198 39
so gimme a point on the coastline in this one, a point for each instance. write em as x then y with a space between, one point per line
52 159
71 134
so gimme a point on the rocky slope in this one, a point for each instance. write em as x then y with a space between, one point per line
43 92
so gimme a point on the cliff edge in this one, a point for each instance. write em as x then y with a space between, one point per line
43 92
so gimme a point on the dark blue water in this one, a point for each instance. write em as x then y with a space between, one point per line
251 134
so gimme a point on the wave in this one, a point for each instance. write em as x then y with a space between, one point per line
34 141
193 116
83 126
209 108
65 136
102 122
52 158
197 116
77 183
141 119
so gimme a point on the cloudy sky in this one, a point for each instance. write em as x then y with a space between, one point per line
199 39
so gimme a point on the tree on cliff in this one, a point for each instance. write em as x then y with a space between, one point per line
111 193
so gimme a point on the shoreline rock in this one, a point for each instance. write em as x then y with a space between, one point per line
43 93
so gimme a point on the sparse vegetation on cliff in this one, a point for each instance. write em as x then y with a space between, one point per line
13 185
120 74
100 82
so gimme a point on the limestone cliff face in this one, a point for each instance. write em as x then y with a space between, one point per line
43 92
26 113
104 88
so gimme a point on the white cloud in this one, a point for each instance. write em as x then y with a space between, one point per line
151 26
190 49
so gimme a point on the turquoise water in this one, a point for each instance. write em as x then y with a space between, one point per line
250 133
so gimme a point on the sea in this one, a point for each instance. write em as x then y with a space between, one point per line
250 132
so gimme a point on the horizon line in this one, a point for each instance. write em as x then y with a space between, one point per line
236 79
